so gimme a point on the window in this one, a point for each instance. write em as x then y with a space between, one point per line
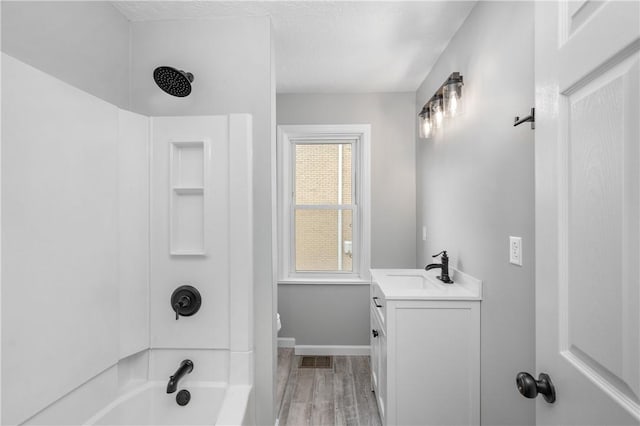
322 206
323 202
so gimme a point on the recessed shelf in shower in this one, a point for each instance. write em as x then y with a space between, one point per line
187 210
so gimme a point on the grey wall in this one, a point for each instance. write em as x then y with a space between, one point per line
231 59
84 43
343 316
475 188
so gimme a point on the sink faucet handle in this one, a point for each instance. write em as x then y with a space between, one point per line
444 252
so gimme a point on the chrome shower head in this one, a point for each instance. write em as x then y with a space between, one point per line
172 81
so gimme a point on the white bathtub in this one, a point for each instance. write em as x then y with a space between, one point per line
212 403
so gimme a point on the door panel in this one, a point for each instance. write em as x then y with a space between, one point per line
588 210
602 313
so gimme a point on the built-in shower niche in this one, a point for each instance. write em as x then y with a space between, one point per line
187 206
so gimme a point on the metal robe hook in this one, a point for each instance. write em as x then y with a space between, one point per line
532 118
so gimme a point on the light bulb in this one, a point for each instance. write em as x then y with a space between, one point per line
424 124
453 105
426 128
439 117
436 112
452 94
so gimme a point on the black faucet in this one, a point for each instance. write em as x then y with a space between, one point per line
185 368
444 266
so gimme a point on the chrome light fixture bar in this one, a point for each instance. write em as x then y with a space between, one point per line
446 102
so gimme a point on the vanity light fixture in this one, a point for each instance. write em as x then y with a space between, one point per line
446 102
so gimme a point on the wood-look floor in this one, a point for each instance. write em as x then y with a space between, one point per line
340 395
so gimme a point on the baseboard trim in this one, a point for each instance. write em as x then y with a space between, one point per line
286 342
364 350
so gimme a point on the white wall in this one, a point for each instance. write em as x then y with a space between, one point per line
475 188
85 43
231 59
343 317
209 327
62 235
133 232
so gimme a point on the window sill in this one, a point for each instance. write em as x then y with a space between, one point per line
324 281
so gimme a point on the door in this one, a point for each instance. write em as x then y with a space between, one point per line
587 211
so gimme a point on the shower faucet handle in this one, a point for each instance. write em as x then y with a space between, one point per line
176 308
185 301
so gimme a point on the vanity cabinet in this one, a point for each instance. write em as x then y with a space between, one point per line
425 355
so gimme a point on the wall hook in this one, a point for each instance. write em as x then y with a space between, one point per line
532 118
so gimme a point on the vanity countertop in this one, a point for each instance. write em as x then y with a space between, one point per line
418 284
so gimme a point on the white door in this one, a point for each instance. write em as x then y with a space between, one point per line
587 160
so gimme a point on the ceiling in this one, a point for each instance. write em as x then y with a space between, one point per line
336 46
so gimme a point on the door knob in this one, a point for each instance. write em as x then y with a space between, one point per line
530 387
374 333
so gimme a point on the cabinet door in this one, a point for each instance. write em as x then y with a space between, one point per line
436 363
378 362
375 351
382 374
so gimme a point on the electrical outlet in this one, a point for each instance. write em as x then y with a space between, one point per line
515 250
424 233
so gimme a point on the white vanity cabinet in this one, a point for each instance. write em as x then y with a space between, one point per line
425 348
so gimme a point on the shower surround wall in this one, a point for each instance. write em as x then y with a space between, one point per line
84 167
75 247
219 215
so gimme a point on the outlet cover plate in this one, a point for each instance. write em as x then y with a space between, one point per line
515 250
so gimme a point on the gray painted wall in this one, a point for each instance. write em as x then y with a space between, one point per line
84 43
339 314
475 188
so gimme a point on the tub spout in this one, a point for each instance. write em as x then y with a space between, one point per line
185 368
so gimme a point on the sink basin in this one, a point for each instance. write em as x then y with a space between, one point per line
410 281
424 285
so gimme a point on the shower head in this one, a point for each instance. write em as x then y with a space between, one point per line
174 82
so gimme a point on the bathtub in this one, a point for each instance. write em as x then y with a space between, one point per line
212 403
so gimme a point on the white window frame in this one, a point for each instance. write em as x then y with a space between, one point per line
288 135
